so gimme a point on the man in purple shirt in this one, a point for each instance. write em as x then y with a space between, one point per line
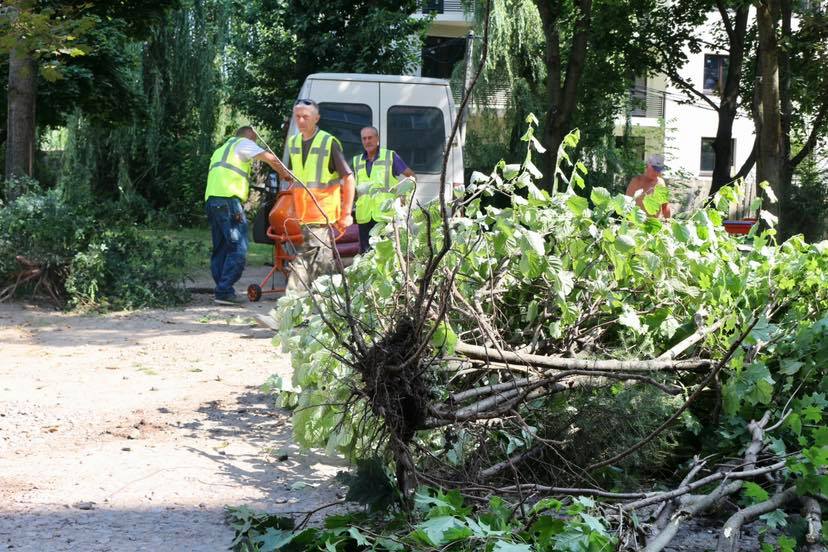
375 165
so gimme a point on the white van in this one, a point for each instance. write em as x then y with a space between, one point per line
414 116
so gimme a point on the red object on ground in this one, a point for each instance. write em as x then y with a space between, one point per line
739 227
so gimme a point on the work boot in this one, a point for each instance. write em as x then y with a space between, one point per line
236 300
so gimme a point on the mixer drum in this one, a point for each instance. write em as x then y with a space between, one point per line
284 222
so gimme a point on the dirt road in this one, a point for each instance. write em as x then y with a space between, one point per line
132 431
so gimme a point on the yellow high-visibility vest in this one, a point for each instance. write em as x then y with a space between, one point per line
381 171
321 182
229 176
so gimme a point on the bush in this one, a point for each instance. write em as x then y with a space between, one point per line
64 247
123 269
45 230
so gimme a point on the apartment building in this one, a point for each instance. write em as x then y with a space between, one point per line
659 120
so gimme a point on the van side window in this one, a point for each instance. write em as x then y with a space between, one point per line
345 120
418 135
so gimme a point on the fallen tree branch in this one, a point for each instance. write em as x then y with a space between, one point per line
560 363
690 487
712 376
729 539
690 340
694 505
812 514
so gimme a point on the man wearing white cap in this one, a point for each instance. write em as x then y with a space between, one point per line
644 184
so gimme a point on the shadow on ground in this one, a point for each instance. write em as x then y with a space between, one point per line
291 479
75 530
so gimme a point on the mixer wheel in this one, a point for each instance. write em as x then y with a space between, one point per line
254 292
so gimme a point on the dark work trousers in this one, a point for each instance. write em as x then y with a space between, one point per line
365 236
314 257
228 226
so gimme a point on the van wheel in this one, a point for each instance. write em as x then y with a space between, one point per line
254 292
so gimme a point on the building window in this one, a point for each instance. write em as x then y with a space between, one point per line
707 158
715 72
345 121
440 55
418 135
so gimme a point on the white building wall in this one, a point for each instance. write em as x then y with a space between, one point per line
687 124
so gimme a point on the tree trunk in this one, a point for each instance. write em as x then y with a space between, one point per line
561 93
770 163
723 143
20 141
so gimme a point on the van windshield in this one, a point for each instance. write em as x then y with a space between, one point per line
418 135
345 121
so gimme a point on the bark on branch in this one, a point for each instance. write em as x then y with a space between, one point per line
560 363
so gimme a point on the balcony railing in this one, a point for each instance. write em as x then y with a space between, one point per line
442 6
647 102
496 97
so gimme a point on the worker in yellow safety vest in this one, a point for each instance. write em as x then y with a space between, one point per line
316 158
228 185
375 168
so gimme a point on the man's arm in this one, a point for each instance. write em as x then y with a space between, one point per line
633 187
276 164
400 168
348 192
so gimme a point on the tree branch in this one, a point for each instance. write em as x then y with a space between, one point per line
560 363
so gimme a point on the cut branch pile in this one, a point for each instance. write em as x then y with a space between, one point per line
565 347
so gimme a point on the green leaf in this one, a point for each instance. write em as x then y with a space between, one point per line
358 537
511 171
535 241
577 204
789 367
572 540
651 204
768 191
600 196
785 543
775 519
445 338
795 423
680 231
503 546
434 530
769 218
755 493
812 414
820 436
624 242
532 311
630 319
51 73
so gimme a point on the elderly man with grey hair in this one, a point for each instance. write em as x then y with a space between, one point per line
644 184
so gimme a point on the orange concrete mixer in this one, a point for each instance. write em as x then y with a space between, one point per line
285 231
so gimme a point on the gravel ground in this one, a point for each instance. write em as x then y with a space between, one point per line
133 431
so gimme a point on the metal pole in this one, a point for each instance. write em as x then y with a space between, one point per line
467 78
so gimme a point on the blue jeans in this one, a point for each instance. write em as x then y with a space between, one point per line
229 228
